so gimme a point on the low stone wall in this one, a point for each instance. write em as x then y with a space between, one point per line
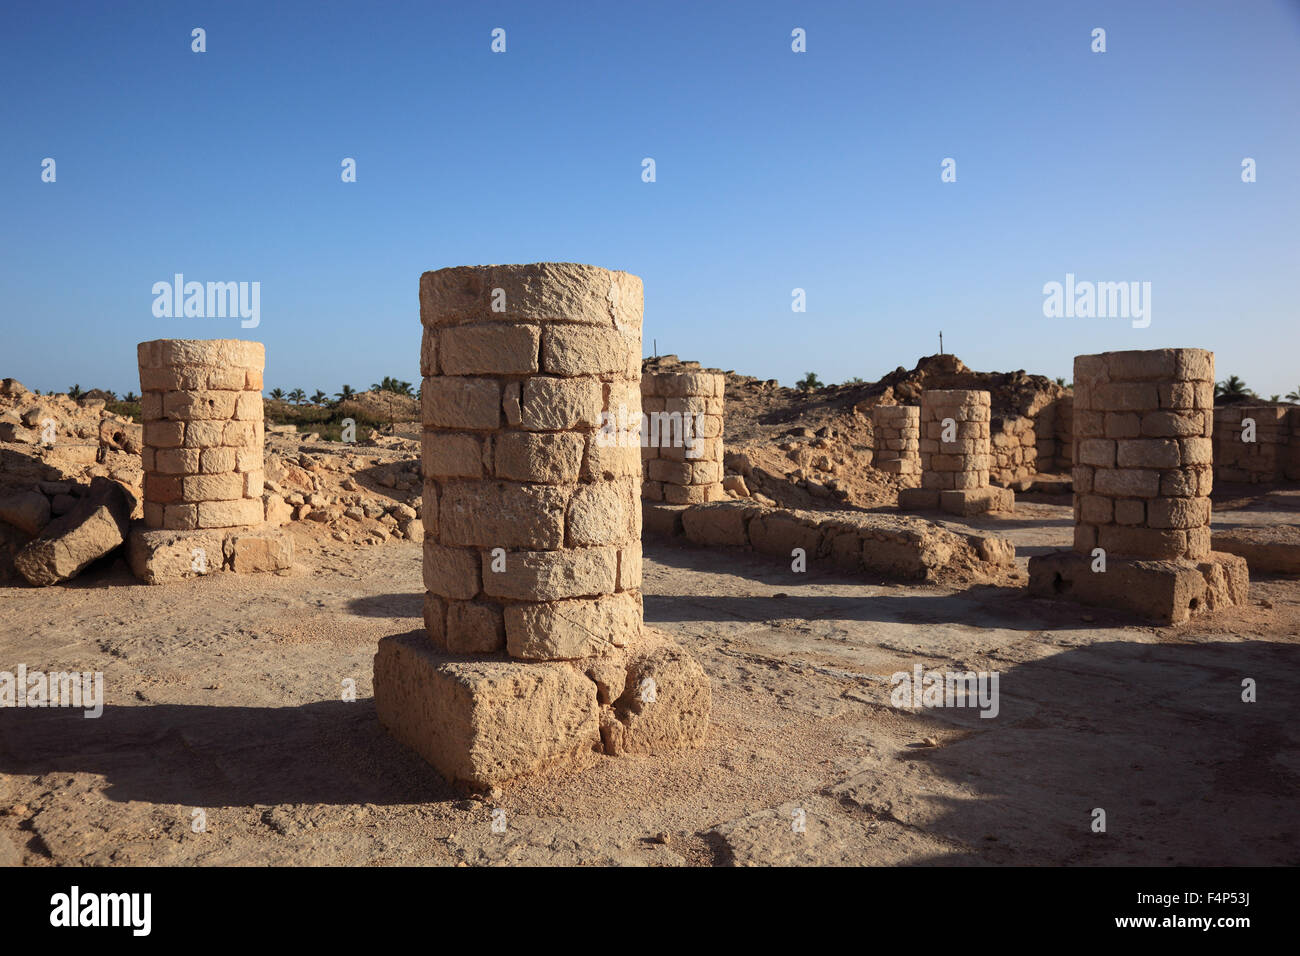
894 546
1270 454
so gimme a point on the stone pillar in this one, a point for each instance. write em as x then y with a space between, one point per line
681 448
1143 453
955 439
1143 422
955 455
532 552
896 433
201 404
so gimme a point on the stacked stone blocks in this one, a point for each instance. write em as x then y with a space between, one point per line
534 649
1143 453
1143 426
520 475
1268 458
201 404
955 455
896 440
681 447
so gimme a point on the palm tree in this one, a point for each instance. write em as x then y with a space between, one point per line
297 396
1294 396
277 394
809 382
318 397
345 393
390 384
75 392
130 397
1231 389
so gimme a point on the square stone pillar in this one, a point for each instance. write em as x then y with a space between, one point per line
955 456
1143 424
534 648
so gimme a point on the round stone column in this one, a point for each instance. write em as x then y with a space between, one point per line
955 454
681 444
531 407
896 434
201 405
1143 454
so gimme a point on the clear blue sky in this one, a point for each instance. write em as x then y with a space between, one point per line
775 170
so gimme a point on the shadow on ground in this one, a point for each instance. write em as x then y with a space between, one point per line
329 752
1154 734
407 604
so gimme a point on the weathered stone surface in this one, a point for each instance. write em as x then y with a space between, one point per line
606 512
160 556
482 723
568 630
978 501
474 628
572 351
718 525
553 575
95 527
554 291
230 514
548 457
489 349
1273 549
501 514
263 549
557 404
470 403
27 511
903 547
666 701
1168 592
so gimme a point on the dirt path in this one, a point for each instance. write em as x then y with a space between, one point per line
225 695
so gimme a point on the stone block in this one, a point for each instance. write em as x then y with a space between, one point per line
483 722
1168 592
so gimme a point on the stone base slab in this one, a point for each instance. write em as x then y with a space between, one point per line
481 721
965 503
1275 549
662 519
160 556
1168 592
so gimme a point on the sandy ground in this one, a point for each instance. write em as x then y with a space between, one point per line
225 695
